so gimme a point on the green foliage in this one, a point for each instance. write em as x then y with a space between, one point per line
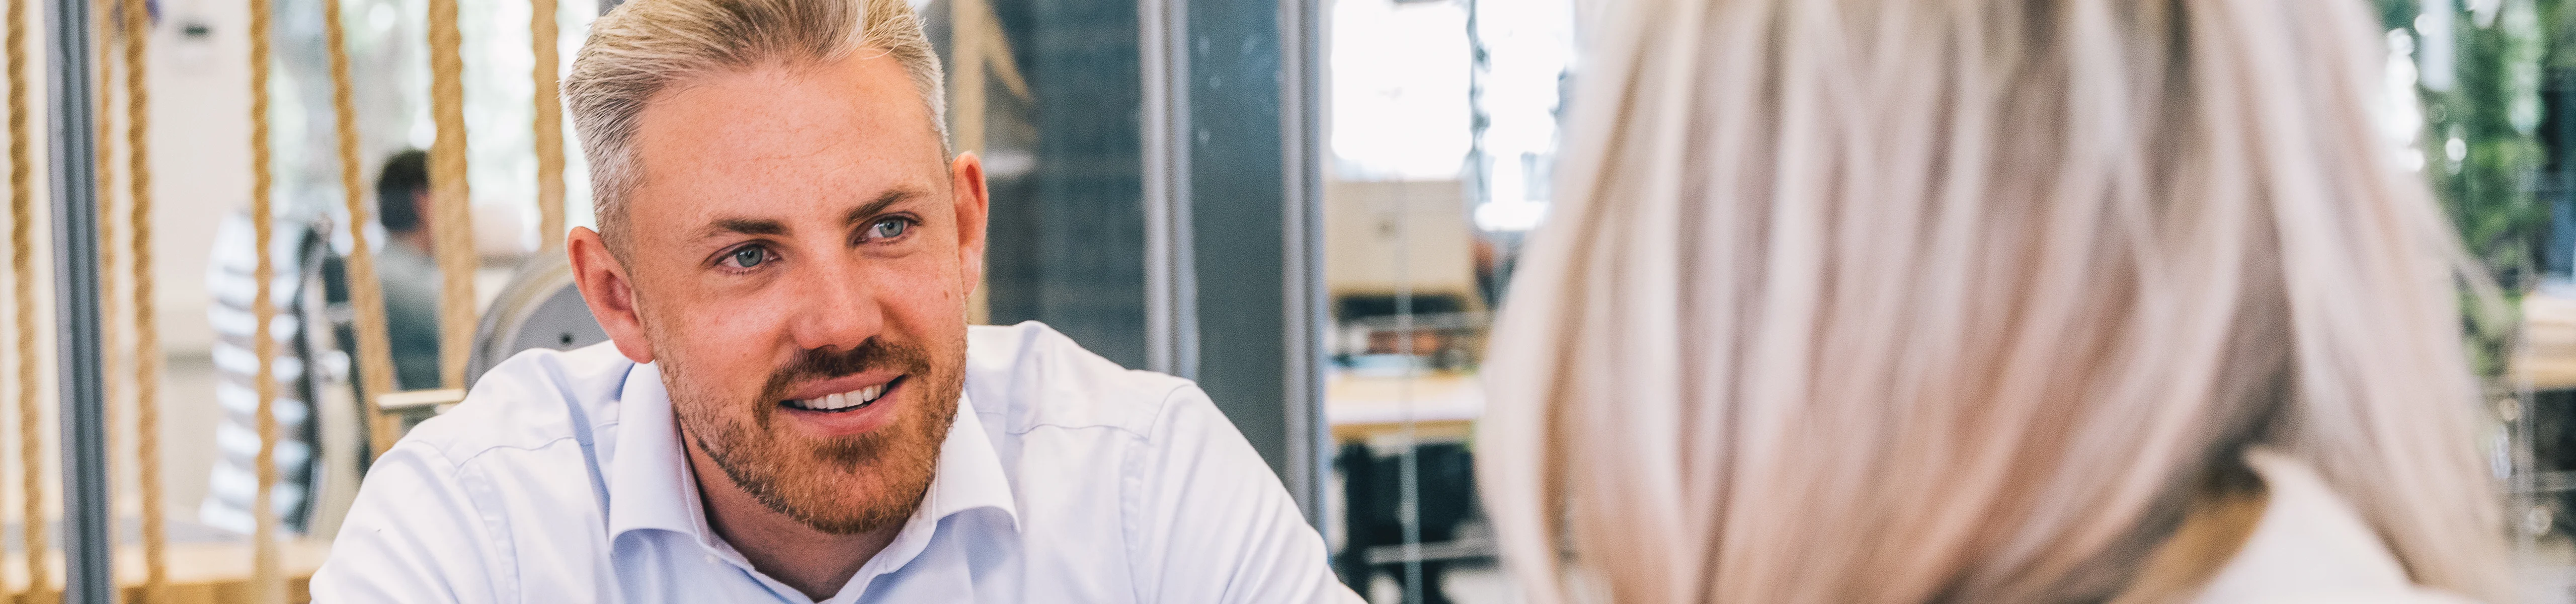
2399 13
2489 156
2482 155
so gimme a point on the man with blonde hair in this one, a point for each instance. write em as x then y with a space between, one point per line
792 408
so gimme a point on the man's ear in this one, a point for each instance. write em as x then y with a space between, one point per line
974 205
609 293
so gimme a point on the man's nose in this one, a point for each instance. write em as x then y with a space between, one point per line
835 307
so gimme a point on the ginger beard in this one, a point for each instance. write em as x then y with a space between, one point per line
843 485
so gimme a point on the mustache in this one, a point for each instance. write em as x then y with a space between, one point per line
828 363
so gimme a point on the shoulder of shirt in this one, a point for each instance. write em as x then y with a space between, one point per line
520 404
1029 376
2311 546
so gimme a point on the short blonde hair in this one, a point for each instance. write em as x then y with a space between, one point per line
1888 301
645 46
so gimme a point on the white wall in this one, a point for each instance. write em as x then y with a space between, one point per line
200 171
200 158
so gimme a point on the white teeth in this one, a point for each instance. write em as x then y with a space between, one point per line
845 400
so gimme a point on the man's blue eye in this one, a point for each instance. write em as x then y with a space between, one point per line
888 228
750 256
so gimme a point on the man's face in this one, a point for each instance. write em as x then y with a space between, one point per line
797 258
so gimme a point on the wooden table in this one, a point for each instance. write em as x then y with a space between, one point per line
1444 405
200 573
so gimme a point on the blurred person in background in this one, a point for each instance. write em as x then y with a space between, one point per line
408 271
2056 301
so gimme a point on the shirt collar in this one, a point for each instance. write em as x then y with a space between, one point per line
650 486
648 480
970 473
2309 541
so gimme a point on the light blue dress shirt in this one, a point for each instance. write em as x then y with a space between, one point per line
1065 478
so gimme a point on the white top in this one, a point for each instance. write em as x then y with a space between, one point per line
2311 547
1065 478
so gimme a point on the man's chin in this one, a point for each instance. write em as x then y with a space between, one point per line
838 472
843 487
882 506
845 484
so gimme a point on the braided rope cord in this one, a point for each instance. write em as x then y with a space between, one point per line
453 227
966 111
102 40
366 293
22 266
147 329
966 76
110 338
543 36
264 566
977 48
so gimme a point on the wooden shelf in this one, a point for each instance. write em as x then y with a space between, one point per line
2547 359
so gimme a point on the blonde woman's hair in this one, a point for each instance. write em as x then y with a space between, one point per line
1968 301
646 46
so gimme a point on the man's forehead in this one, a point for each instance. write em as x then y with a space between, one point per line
778 109
783 139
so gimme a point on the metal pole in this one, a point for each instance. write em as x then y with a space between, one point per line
87 542
1301 168
1171 280
1155 85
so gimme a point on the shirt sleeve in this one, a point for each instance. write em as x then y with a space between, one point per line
413 536
1207 521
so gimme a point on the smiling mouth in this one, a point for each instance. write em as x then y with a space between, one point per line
846 401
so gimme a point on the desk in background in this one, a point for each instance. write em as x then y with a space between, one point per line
1367 412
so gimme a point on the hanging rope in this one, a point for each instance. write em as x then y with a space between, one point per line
102 13
111 359
22 265
264 568
966 111
453 226
366 294
977 44
147 330
542 36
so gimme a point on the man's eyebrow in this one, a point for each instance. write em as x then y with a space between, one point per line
765 226
877 206
743 226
